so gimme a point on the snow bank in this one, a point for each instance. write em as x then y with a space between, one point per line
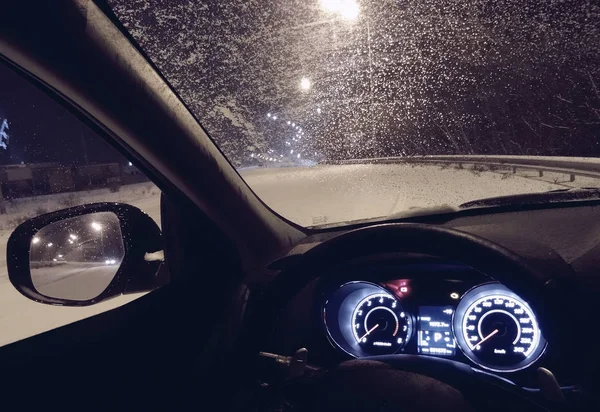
328 194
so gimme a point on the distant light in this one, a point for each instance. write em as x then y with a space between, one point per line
49 244
319 110
294 124
274 117
130 164
70 242
112 261
298 156
96 226
289 122
268 114
280 155
305 83
54 260
347 9
252 155
35 240
60 256
454 295
72 236
292 151
107 262
287 143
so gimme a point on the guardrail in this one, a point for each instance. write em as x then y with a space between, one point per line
588 167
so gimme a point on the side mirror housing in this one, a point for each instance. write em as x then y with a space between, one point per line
86 254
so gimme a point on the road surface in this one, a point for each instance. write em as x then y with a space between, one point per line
330 194
73 280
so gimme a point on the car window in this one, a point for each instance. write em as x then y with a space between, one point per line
340 110
50 160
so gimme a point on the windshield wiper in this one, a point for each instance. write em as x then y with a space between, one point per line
552 196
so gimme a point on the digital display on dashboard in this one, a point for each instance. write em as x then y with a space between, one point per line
434 330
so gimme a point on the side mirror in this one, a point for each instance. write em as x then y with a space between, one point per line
85 254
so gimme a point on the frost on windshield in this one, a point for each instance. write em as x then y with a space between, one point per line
310 80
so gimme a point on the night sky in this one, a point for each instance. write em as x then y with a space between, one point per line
41 130
370 78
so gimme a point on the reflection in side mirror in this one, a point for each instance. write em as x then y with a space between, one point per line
86 254
77 258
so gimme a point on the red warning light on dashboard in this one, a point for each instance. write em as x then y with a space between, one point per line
399 287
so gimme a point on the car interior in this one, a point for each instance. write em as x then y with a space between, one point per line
259 313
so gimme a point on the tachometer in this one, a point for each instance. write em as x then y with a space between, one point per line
497 330
364 319
379 324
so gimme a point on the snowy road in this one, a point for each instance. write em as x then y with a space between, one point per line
330 194
308 196
75 281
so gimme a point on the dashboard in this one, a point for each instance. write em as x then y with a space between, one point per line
485 324
449 314
417 305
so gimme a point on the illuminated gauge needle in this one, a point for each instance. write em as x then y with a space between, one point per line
487 337
371 330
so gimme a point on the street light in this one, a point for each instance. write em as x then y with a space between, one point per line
35 240
98 228
305 83
72 236
347 9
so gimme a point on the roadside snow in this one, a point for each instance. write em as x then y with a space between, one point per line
21 317
340 193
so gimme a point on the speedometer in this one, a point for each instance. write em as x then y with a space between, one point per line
497 330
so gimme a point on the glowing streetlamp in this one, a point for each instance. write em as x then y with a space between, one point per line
98 228
35 240
305 83
346 9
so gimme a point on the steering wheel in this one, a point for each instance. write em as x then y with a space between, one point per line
410 382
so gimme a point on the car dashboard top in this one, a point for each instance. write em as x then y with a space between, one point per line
424 307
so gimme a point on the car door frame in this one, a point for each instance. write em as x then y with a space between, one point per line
152 339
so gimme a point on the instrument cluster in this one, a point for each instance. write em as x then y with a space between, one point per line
484 324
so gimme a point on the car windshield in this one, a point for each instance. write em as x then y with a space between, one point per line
341 110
